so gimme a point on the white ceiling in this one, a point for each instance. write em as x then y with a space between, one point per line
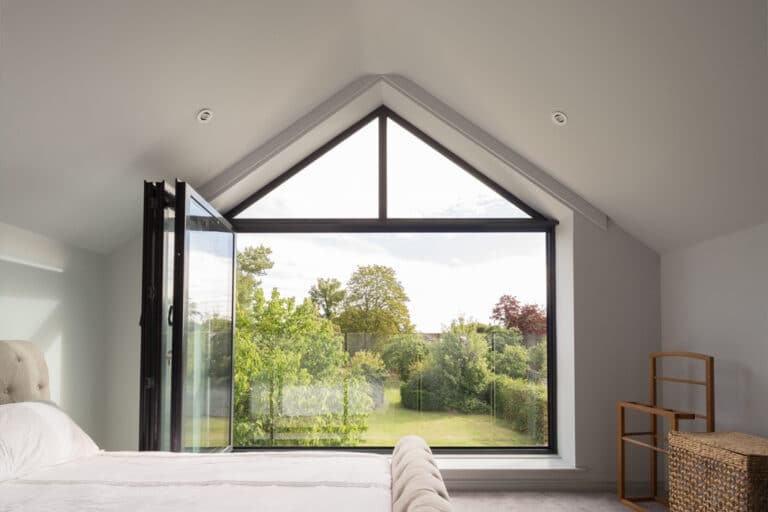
666 101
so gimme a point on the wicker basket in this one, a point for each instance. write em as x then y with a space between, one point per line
717 472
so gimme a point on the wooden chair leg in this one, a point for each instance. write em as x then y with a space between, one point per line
654 459
621 473
654 425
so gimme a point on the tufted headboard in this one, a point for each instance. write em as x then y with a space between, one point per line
23 372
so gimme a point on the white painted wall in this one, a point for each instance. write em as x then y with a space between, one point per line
123 347
616 283
715 301
53 294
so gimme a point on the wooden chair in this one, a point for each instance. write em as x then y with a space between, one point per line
655 412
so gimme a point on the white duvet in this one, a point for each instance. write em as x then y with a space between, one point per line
160 482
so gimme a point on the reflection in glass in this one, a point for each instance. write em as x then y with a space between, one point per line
342 184
422 183
208 329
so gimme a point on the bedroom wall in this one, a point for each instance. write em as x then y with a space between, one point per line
52 294
617 325
123 346
714 299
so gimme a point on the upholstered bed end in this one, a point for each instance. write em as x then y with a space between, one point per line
23 373
417 485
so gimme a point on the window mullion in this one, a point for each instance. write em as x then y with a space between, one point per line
382 167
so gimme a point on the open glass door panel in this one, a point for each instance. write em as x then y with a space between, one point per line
201 412
187 322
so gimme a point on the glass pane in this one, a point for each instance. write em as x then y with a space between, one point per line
208 333
166 330
422 183
361 339
341 184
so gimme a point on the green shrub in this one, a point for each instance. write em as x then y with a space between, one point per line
414 397
513 362
471 405
402 352
409 396
459 364
537 355
454 377
369 366
523 404
424 390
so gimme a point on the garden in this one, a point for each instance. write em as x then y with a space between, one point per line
345 367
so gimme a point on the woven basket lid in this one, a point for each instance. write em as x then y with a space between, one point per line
736 442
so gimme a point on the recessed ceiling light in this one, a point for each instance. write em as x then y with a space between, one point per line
559 118
204 115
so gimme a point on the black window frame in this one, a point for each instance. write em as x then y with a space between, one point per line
537 223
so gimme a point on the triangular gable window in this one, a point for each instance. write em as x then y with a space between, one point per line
340 184
386 171
423 183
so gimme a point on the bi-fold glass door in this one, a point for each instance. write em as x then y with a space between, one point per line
187 322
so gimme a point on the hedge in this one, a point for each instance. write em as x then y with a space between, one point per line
419 399
523 404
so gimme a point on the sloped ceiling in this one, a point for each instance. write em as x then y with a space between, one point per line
666 101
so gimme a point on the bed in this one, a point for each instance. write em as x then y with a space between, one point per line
48 463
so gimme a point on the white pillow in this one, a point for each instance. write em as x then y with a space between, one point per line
34 435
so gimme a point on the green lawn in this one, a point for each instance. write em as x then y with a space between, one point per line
389 424
213 432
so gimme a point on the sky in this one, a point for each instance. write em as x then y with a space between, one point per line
210 266
445 275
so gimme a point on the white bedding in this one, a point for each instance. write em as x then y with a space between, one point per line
256 481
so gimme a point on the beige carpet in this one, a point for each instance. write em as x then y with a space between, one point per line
536 501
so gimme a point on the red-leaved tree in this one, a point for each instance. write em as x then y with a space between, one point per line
529 318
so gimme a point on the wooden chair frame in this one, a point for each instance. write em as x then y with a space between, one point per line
656 412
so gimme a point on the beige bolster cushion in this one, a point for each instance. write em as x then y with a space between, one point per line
417 485
429 502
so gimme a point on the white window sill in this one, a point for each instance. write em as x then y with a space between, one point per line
476 462
510 473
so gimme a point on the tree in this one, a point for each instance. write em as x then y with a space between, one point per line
328 296
255 260
499 337
252 263
284 353
529 318
287 355
375 303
